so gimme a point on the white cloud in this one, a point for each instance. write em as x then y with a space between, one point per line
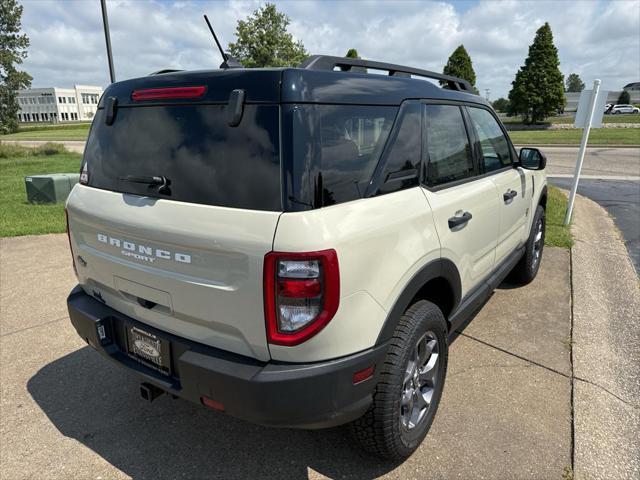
595 39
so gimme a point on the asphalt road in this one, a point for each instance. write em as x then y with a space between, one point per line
598 161
622 200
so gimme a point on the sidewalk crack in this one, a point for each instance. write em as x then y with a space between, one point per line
33 326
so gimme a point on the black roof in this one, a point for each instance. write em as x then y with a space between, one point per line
294 85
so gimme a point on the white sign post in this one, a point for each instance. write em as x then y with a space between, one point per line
589 114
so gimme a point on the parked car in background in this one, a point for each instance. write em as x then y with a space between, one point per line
624 108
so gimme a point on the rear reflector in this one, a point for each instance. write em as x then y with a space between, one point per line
208 402
363 375
169 92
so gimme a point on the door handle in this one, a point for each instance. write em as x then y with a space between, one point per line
459 219
509 195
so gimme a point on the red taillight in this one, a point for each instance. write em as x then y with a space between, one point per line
169 92
301 294
73 258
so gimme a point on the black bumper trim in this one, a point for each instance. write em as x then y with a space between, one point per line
311 395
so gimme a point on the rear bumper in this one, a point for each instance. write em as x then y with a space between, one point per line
314 395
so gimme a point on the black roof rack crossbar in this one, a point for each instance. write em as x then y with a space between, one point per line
165 70
326 62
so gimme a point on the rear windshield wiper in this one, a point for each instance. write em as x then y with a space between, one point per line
163 182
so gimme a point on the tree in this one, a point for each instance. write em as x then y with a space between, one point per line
538 89
263 40
624 98
352 53
13 52
459 65
574 83
501 105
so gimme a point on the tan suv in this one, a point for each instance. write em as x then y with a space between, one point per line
297 246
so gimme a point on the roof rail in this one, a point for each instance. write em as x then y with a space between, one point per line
326 62
165 70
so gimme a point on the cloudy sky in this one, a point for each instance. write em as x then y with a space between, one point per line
596 39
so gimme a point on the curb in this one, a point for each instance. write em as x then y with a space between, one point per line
605 349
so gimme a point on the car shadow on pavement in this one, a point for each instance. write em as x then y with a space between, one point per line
97 403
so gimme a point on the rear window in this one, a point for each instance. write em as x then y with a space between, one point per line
335 150
205 160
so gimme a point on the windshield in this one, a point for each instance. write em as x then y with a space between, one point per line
204 159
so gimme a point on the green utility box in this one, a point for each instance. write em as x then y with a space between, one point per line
50 188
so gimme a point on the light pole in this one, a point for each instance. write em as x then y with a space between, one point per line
107 37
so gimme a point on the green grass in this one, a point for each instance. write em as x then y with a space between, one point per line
598 136
17 217
626 118
72 131
557 235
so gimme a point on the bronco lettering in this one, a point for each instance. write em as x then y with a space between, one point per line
143 252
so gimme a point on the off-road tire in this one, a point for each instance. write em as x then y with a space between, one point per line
380 431
526 269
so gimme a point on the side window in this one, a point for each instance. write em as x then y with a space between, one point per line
494 146
448 152
402 158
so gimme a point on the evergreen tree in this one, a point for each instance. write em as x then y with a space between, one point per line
574 83
13 50
263 40
459 65
538 89
624 98
352 53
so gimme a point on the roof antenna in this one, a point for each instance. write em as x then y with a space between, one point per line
227 60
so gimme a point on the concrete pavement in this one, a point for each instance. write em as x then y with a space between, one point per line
606 349
68 413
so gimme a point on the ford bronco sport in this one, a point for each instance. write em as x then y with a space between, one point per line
297 247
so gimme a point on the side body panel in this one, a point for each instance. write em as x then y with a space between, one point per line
381 243
512 211
472 247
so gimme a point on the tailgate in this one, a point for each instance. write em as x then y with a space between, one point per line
190 269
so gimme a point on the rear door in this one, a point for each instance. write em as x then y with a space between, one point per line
496 162
464 204
187 256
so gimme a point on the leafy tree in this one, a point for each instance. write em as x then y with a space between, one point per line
574 83
352 53
263 40
501 105
538 89
13 50
624 97
459 65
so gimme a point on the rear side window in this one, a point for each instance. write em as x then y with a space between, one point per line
205 160
335 151
447 145
494 146
402 156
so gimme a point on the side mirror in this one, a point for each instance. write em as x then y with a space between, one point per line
532 159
